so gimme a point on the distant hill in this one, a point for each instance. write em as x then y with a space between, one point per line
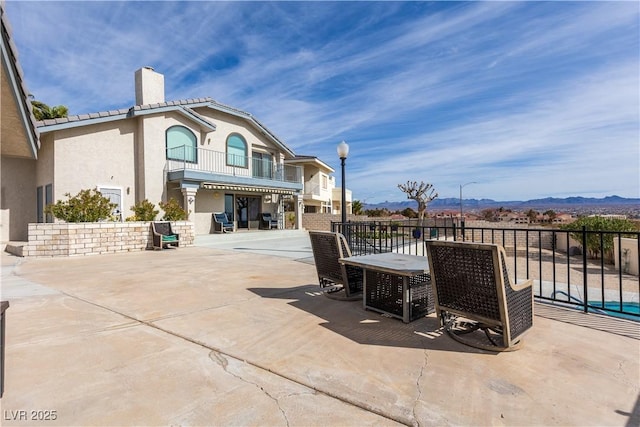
547 203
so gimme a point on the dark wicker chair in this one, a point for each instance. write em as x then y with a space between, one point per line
268 222
473 293
221 223
163 236
328 248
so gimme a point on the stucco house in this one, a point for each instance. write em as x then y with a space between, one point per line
19 140
208 156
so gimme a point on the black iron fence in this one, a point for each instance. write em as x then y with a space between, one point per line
595 271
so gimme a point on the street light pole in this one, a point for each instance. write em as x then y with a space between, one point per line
343 152
461 187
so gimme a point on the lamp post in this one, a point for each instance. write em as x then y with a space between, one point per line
461 187
343 152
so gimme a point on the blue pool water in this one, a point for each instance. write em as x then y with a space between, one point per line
627 307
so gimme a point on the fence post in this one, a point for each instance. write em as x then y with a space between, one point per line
584 269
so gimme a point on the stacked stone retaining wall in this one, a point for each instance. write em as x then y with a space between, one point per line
77 239
322 221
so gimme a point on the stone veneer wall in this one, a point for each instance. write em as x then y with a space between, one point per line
93 238
322 221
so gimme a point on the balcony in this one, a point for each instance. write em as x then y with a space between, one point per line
201 165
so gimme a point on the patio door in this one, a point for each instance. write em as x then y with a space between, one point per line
248 210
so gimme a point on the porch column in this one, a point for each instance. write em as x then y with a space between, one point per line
299 210
189 202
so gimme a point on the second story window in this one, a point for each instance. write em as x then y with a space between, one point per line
262 165
324 182
236 151
181 144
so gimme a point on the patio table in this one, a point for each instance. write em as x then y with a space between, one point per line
395 284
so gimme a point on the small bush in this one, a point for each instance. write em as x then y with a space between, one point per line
86 206
143 211
173 211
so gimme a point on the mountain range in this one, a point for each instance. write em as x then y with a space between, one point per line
545 203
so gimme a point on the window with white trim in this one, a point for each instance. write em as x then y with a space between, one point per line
181 144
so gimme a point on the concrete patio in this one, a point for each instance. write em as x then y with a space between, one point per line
241 335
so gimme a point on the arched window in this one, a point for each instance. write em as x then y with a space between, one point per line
181 144
236 150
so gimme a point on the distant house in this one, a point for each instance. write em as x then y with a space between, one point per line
320 194
20 142
513 217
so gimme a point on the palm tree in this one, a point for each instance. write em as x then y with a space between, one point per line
357 207
42 111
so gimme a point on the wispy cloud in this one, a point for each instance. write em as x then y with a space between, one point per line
529 99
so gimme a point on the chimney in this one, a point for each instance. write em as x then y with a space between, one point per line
149 86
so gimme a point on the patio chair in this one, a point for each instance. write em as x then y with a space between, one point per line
268 222
328 247
473 292
163 235
221 223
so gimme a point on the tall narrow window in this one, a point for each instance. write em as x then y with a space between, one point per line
181 144
236 151
48 199
40 203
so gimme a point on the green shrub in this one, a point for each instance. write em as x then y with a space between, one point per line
143 211
86 206
173 211
598 223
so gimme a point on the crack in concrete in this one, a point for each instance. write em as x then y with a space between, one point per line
416 419
329 393
224 363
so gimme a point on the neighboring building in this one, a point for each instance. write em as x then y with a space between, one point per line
318 183
514 217
320 194
209 156
337 198
563 218
19 141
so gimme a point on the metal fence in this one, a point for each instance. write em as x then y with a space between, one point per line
594 280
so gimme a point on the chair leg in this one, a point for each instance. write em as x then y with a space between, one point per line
491 338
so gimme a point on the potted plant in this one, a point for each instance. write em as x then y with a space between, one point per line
416 233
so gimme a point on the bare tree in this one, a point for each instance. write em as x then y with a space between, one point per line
422 193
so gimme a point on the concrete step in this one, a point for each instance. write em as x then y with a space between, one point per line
247 235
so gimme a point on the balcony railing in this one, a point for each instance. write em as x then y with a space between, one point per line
563 273
216 162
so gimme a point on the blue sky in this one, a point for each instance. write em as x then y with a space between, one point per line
528 99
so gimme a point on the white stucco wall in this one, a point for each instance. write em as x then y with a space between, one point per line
100 155
629 255
18 191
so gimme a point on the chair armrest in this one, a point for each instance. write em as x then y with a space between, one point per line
521 286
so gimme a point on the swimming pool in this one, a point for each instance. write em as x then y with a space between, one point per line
631 309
